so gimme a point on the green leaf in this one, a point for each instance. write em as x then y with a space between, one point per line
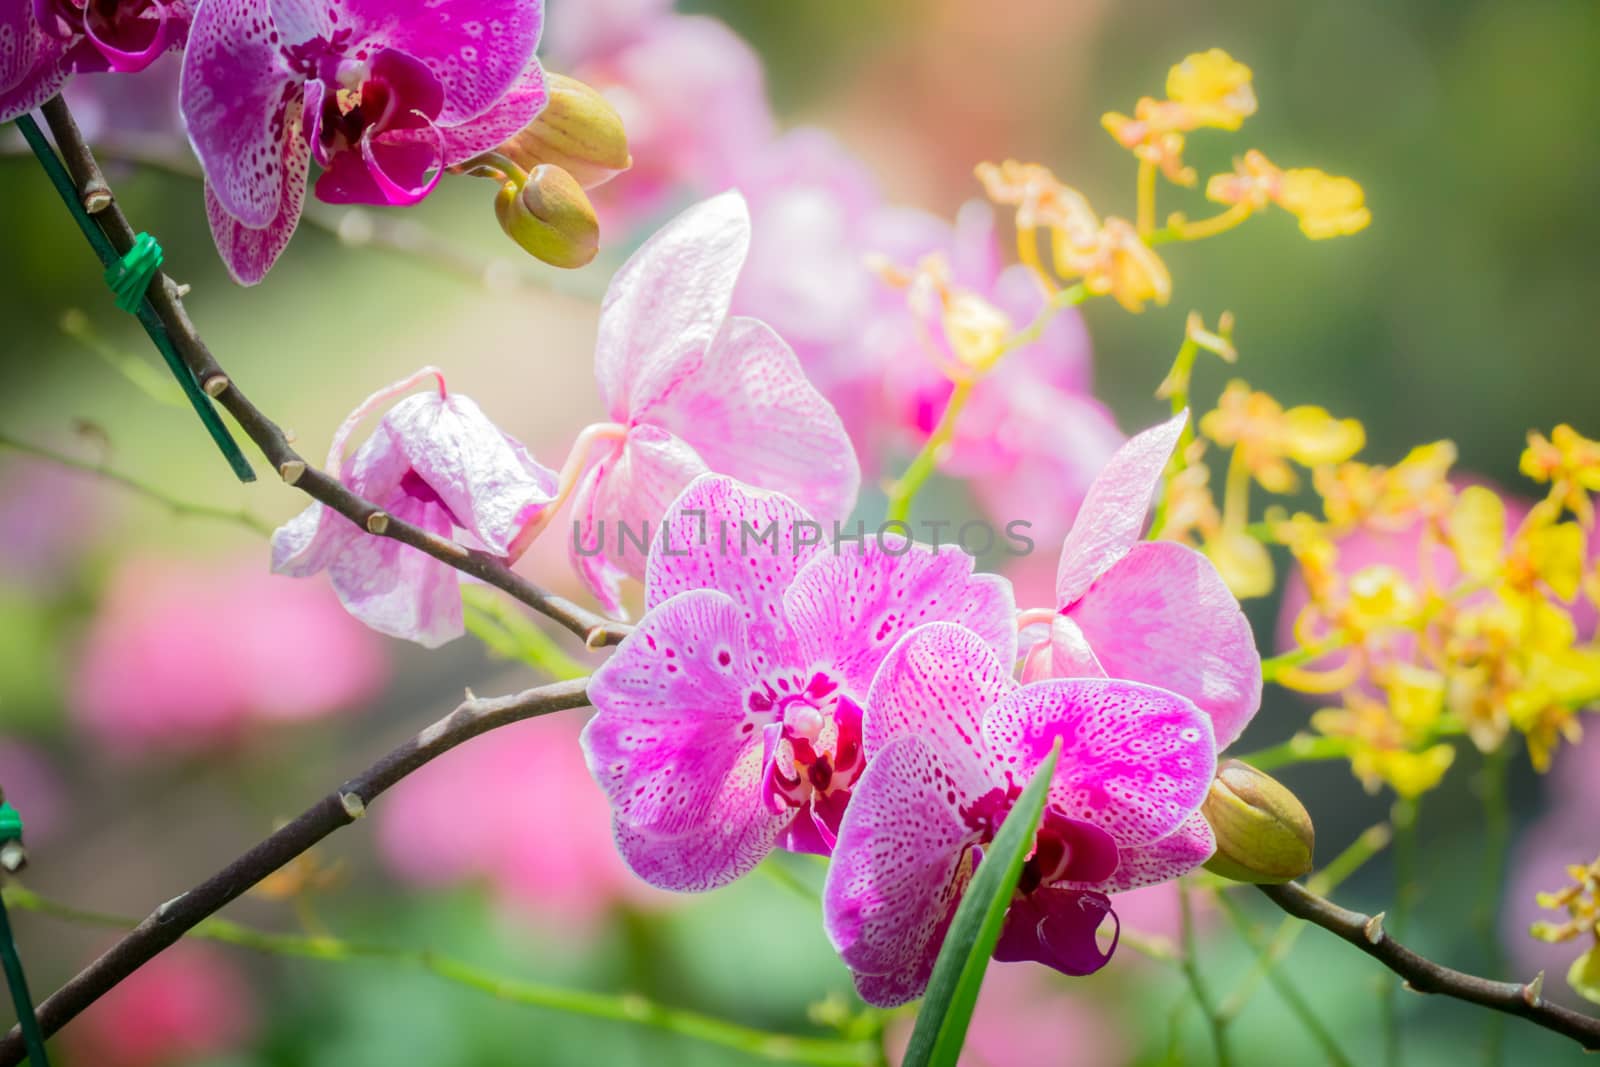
958 973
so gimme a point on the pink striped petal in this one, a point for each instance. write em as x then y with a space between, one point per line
1135 760
850 604
673 745
667 304
1162 615
237 105
515 110
743 542
31 67
1066 654
1114 511
250 253
936 685
750 412
618 505
1177 854
899 869
737 833
394 588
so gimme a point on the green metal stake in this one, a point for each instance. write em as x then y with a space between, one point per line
32 1039
129 278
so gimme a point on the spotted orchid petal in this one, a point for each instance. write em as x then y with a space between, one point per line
1162 615
1136 761
900 866
1162 860
936 684
1065 653
1115 508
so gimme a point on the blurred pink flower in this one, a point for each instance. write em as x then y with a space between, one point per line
188 1003
1567 834
186 657
690 92
519 810
48 515
133 113
1032 436
1026 1016
32 786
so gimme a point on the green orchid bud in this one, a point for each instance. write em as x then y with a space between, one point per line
1263 832
578 131
550 217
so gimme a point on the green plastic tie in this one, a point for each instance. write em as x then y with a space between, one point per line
11 962
130 276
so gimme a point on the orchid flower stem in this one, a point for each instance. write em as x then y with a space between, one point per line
904 490
185 508
1287 990
821 1052
1146 217
1374 840
21 999
577 461
1181 229
1404 818
1497 840
1273 666
1197 983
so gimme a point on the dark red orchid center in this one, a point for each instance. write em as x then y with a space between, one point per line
1064 849
118 35
815 734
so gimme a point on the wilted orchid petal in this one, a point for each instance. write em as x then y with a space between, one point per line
952 743
694 391
730 721
384 95
437 462
1155 612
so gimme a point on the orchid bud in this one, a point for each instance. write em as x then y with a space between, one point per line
578 131
550 217
1263 832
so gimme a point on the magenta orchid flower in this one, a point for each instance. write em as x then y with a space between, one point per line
383 94
691 389
1148 611
730 719
437 462
42 42
952 741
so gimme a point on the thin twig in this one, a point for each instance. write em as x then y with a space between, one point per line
338 808
127 481
625 1007
1366 932
166 296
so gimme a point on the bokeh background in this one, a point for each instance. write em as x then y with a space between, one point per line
162 703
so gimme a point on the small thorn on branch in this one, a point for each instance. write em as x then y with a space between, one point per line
1533 992
353 805
595 639
216 385
1373 929
292 471
377 523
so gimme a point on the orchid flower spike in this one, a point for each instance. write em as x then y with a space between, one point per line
730 719
952 741
43 42
437 462
383 94
690 390
1148 611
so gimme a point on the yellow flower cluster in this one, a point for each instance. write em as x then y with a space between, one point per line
1116 257
1471 634
1581 902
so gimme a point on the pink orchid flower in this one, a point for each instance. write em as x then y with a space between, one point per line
436 461
691 389
952 741
42 42
730 720
690 92
1148 611
383 94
